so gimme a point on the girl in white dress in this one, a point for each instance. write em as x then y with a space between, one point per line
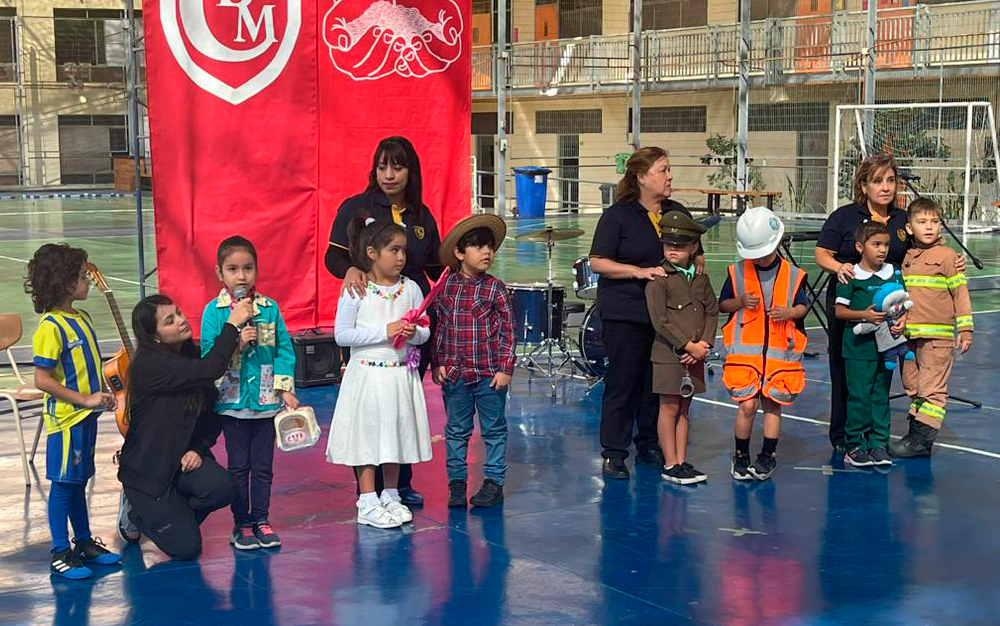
381 416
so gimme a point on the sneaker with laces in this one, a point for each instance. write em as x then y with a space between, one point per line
740 468
244 538
456 493
68 565
375 515
396 508
858 457
266 536
699 475
93 550
489 494
763 466
880 456
678 475
127 529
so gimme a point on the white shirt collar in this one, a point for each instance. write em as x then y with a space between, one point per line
885 273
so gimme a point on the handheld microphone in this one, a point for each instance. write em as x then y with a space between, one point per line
239 293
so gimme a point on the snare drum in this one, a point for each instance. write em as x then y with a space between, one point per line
592 343
585 280
530 307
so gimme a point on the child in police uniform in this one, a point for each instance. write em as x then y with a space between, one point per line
940 320
685 314
764 337
68 369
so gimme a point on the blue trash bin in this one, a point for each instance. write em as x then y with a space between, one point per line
530 184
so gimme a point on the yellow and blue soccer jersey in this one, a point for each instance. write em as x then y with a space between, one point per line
67 344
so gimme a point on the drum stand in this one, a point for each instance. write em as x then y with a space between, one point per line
549 347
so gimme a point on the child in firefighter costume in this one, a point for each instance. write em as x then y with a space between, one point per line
764 337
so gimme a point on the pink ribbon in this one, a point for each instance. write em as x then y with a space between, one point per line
417 316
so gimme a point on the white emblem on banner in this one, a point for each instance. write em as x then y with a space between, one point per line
251 21
371 40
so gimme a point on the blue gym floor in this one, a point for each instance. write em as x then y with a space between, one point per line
816 545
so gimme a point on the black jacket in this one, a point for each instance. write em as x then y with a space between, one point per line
161 429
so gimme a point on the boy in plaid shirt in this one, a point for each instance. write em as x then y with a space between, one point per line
473 357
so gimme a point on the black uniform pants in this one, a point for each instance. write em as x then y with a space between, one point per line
838 372
628 389
172 520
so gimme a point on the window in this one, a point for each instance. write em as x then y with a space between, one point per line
671 119
659 14
568 121
580 18
485 167
569 172
486 123
801 116
762 9
90 44
10 150
86 143
8 45
480 7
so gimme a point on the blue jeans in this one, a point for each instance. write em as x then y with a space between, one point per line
461 402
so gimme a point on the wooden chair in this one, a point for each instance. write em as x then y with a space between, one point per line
10 334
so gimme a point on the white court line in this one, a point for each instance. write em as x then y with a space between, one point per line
121 280
72 211
809 420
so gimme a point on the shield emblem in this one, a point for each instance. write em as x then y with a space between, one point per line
234 48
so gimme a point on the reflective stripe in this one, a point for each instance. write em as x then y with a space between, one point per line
932 410
930 330
772 353
957 281
964 321
930 282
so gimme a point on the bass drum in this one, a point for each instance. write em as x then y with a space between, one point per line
592 343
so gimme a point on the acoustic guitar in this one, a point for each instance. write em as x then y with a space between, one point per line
116 368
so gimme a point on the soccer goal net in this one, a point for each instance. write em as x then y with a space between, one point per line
947 150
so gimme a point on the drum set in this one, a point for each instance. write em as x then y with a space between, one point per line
542 319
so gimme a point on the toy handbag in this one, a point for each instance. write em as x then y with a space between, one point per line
296 429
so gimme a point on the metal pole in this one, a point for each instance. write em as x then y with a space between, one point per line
636 74
968 175
870 35
743 105
134 123
501 88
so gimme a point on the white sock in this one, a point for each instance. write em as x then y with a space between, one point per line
367 500
391 494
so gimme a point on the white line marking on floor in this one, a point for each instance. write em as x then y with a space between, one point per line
739 532
809 420
827 470
75 211
121 280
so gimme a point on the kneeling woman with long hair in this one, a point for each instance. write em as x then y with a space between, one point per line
171 479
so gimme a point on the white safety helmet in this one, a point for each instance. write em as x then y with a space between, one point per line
758 233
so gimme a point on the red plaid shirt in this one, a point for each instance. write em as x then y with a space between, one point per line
474 337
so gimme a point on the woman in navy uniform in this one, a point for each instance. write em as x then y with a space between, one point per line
393 194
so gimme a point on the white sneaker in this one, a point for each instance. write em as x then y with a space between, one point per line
378 517
397 509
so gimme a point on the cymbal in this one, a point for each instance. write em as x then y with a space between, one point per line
550 234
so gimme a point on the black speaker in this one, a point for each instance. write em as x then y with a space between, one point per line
317 359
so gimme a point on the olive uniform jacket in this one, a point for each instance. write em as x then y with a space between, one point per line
681 311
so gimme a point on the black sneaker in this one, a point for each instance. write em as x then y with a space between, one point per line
265 534
456 493
880 456
652 456
698 474
489 494
93 551
740 468
68 565
764 466
244 538
678 474
615 468
858 458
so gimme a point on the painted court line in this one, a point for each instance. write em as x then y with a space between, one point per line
809 420
73 212
121 280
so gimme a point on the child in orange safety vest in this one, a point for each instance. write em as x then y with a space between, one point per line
764 337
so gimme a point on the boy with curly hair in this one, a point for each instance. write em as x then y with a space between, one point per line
68 369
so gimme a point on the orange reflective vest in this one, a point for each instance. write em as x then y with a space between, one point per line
764 355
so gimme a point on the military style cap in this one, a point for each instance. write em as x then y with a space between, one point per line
678 228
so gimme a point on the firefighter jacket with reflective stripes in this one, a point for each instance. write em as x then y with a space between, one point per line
940 293
764 356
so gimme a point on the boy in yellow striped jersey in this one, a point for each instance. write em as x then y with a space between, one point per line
940 320
68 369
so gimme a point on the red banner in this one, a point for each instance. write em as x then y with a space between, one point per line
263 118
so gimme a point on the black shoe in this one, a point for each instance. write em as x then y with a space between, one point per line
918 442
680 475
68 564
615 468
699 475
764 466
840 447
93 551
652 456
880 456
456 493
740 467
858 458
410 496
489 494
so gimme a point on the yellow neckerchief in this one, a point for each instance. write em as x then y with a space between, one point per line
878 218
656 222
397 214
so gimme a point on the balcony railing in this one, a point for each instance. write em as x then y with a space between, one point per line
913 38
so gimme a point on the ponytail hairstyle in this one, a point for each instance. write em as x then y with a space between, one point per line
365 232
144 330
639 163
